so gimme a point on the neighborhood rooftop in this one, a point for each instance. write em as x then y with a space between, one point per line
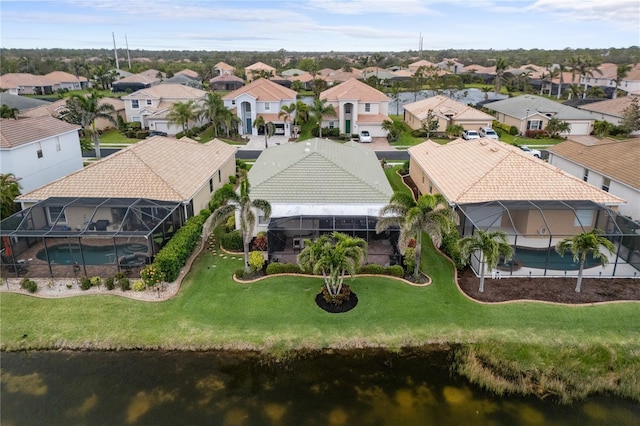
19 132
527 105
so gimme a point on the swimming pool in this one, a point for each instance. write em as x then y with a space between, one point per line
550 259
67 254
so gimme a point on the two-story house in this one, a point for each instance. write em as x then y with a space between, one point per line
150 106
358 106
264 98
39 150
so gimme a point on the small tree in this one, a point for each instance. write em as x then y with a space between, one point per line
491 245
555 127
319 110
583 244
9 190
454 130
267 127
631 117
430 123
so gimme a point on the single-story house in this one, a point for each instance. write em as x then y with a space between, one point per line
184 80
413 67
497 187
611 110
39 150
31 84
530 112
609 164
447 111
134 82
21 103
359 107
319 186
58 109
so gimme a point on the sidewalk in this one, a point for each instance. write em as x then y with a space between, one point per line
257 143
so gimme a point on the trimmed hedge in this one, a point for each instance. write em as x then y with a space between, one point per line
283 268
374 269
232 241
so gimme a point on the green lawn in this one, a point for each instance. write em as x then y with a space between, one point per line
113 136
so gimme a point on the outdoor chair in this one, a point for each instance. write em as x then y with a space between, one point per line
19 267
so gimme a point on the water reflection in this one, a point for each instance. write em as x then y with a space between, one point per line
357 388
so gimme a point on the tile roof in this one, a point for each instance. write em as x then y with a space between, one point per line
11 80
443 106
167 91
488 170
263 90
157 168
137 78
353 89
522 106
64 77
260 66
224 66
421 63
618 160
14 133
479 69
55 108
614 107
189 73
226 78
319 171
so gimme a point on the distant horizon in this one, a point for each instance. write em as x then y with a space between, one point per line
320 26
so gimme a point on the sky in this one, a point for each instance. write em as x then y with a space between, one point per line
320 25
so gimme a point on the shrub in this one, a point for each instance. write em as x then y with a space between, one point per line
231 223
96 281
536 134
29 285
179 135
451 248
283 268
239 273
124 284
410 258
395 271
110 283
138 285
134 125
85 283
260 241
513 130
372 269
339 299
141 134
233 179
232 241
256 261
151 275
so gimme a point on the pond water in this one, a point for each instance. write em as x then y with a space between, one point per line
224 388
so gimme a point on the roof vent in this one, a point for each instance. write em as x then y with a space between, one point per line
494 149
483 142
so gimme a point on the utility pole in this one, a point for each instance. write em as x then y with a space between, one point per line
128 55
115 51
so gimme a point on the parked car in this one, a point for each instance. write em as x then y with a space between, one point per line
365 136
157 133
533 152
488 132
470 134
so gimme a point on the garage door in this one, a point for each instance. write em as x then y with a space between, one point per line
579 128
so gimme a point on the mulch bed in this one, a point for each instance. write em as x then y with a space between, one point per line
345 306
561 290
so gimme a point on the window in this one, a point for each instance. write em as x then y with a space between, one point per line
219 176
56 215
39 149
261 219
583 218
233 102
149 102
135 104
606 182
534 125
267 106
430 189
367 107
347 108
331 125
211 185
58 144
585 175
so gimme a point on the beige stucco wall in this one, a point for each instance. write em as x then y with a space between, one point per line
421 179
202 197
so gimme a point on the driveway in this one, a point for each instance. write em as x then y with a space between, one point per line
257 143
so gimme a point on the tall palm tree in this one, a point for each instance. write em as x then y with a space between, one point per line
621 74
561 71
334 256
287 112
501 67
181 113
302 113
430 214
85 110
486 90
268 128
230 121
9 190
586 68
244 205
491 245
212 109
394 95
319 110
583 244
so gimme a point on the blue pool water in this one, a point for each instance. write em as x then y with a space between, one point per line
550 259
66 254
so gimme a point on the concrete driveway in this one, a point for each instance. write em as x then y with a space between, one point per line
256 143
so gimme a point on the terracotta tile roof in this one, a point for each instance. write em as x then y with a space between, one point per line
167 91
55 108
224 66
421 63
11 80
403 73
618 160
607 70
264 90
189 73
137 78
14 133
353 89
489 170
151 73
566 79
260 66
270 117
479 69
226 78
64 77
443 106
157 168
304 78
614 107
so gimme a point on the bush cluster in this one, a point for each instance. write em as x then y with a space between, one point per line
138 285
85 283
232 241
256 261
29 285
283 268
536 134
374 269
340 298
260 241
326 132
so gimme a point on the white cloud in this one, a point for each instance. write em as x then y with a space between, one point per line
623 12
361 7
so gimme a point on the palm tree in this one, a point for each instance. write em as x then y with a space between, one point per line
561 70
319 110
287 111
182 113
244 205
574 90
212 109
586 68
334 256
486 90
501 67
492 246
230 121
555 127
430 214
8 112
9 190
583 244
85 110
268 127
621 74
394 95
302 113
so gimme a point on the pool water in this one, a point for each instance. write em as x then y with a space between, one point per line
67 254
550 259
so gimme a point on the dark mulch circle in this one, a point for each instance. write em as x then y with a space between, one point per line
561 290
345 306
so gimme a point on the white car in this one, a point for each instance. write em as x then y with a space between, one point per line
488 132
470 134
533 152
365 136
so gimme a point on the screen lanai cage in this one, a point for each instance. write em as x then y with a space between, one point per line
67 237
534 228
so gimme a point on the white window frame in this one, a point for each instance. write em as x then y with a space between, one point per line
606 184
267 106
367 107
52 218
149 102
135 104
534 124
583 217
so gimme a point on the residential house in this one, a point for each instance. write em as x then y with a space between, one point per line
358 106
30 84
134 82
413 67
346 193
611 110
497 187
223 68
193 75
226 82
447 112
451 65
20 102
259 69
292 72
609 164
530 112
184 80
305 78
150 106
39 150
603 76
264 98
58 109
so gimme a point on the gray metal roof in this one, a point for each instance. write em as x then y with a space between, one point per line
319 171
525 106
